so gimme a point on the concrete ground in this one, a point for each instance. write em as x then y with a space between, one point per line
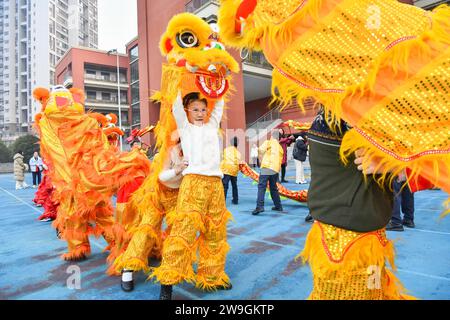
261 261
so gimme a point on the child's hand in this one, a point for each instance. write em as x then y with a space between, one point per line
365 165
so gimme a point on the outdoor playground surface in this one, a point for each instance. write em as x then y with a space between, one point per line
260 263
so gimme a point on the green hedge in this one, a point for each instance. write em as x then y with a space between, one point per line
28 144
5 154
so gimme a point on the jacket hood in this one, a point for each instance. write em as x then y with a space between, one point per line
18 155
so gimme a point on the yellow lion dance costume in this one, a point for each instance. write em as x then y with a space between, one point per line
85 169
381 66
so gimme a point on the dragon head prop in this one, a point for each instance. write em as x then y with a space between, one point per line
111 130
60 99
192 44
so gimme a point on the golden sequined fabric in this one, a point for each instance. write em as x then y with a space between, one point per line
339 51
416 116
337 241
348 265
277 11
200 228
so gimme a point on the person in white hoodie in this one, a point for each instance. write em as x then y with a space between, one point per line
202 216
36 166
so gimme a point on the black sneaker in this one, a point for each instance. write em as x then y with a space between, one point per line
226 287
166 293
309 218
257 211
235 202
394 227
277 209
409 223
284 181
127 282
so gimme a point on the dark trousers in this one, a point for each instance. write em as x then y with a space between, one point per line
403 201
226 181
36 176
262 187
283 171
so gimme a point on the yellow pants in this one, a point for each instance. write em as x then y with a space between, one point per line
147 236
198 228
75 228
348 265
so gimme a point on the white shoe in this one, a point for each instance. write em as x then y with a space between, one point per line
46 220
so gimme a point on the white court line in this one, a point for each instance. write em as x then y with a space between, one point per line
17 198
430 231
424 275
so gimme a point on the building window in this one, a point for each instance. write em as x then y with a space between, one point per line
134 54
91 95
106 76
106 96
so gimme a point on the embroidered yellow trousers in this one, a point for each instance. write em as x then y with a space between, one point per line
348 265
76 231
147 238
198 234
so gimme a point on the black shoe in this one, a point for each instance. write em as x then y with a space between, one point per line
309 218
277 209
394 227
284 181
226 287
257 211
409 223
235 202
127 286
166 293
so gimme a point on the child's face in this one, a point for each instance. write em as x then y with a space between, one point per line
197 112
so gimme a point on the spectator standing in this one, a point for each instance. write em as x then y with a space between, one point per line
403 202
36 166
300 153
285 142
254 156
230 169
19 171
272 156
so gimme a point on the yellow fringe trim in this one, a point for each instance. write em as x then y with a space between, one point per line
205 285
388 167
134 264
285 91
222 252
360 256
171 277
226 23
364 252
82 251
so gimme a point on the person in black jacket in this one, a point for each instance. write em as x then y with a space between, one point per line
300 152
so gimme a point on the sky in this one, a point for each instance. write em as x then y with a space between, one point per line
117 23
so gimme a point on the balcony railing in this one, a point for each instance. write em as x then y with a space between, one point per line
100 78
104 101
193 5
271 116
258 59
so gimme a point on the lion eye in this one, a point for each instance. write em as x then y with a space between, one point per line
187 39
